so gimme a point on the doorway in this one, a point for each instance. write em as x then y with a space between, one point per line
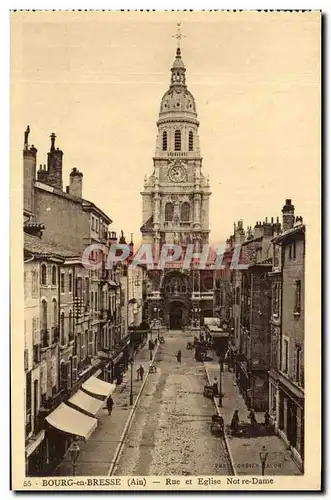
176 316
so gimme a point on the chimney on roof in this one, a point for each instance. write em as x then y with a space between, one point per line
76 183
29 173
288 215
239 233
54 165
122 238
258 230
267 229
112 237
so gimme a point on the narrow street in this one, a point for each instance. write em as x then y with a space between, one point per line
170 433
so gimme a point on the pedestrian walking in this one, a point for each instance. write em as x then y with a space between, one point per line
140 373
252 417
110 404
155 342
267 419
179 356
234 426
215 387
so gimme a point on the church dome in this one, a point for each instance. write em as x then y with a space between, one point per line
178 102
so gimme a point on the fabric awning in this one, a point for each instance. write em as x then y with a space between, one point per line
218 333
86 402
96 386
34 443
118 358
71 421
212 321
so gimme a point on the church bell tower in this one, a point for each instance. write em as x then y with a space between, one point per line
176 194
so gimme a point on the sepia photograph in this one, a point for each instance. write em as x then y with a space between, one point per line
166 201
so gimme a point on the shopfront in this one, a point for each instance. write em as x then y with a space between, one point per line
291 420
36 455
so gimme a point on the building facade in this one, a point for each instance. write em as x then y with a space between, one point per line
286 376
73 312
176 209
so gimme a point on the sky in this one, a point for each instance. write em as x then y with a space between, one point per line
97 79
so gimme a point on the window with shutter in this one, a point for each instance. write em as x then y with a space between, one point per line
53 275
44 274
74 368
69 381
34 284
62 327
82 347
90 343
86 292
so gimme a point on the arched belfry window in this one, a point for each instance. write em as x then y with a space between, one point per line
169 211
178 140
164 141
185 211
190 141
43 274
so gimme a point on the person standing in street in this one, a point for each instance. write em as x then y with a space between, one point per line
110 404
234 426
267 419
140 372
252 417
215 387
179 356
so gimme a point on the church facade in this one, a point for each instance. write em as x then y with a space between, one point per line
175 202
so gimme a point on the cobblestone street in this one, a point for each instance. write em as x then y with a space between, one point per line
170 434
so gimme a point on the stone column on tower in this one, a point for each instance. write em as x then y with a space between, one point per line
197 209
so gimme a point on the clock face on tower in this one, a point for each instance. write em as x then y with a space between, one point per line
177 173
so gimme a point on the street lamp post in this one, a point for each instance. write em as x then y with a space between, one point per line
74 453
220 401
263 458
131 381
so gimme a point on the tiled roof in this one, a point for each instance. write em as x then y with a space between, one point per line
296 229
37 246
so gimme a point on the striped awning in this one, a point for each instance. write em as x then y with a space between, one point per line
87 403
71 421
98 387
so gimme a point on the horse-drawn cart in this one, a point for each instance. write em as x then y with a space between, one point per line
208 391
217 424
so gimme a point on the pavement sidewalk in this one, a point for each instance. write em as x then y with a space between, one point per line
97 453
245 451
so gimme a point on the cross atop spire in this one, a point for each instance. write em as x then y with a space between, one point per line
179 35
